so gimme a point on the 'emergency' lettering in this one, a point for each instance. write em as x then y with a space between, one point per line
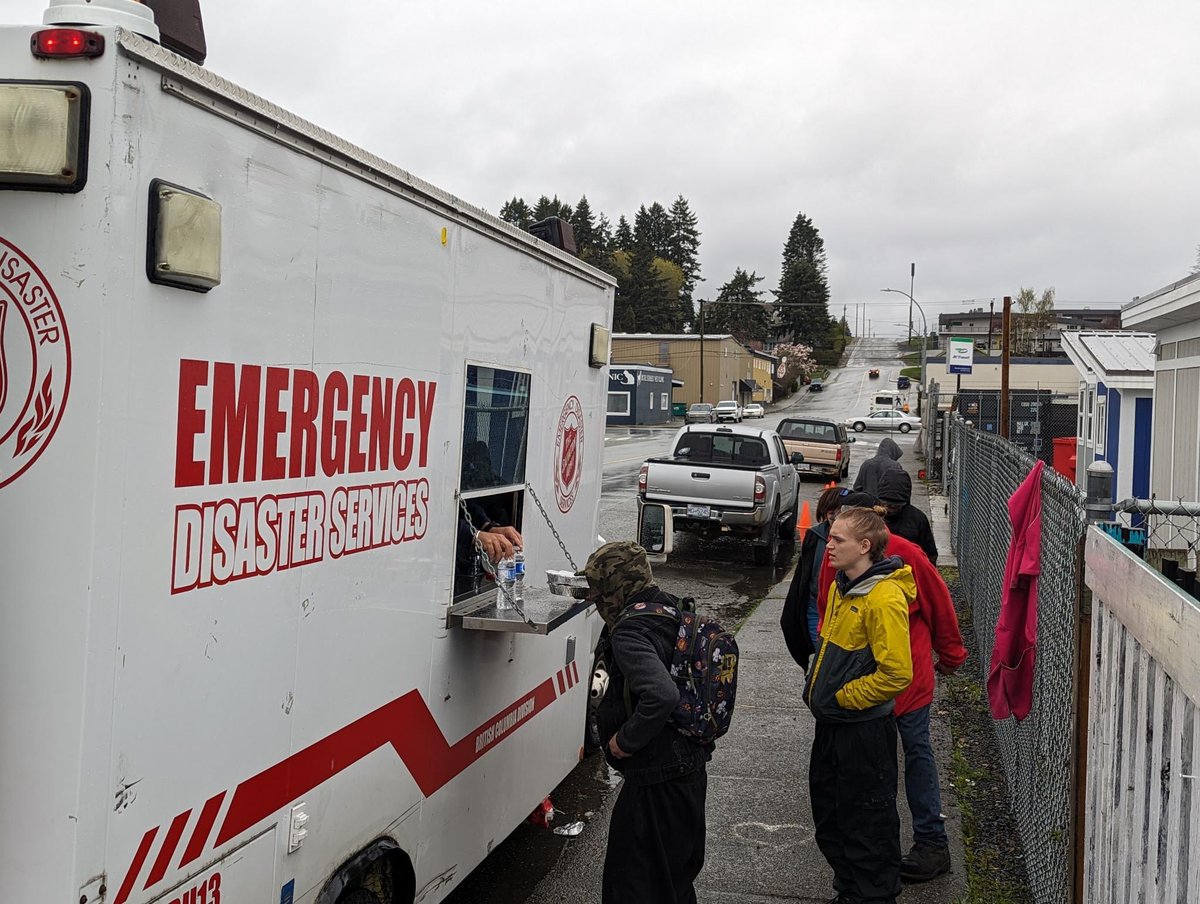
247 422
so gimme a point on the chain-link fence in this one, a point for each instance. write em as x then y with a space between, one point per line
1163 532
982 473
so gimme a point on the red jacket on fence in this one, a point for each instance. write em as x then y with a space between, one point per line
932 622
1010 676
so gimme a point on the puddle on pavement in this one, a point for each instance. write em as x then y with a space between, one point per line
513 870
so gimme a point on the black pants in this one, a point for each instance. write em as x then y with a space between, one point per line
852 783
656 842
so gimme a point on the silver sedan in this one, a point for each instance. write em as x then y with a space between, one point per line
884 420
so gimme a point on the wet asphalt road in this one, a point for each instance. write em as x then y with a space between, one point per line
720 574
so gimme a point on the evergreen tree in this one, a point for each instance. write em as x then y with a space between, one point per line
584 225
517 212
684 250
604 236
623 239
550 207
803 305
659 230
804 243
739 309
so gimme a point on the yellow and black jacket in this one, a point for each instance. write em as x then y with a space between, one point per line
864 660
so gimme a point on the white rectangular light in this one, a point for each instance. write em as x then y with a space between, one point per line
598 350
185 240
42 138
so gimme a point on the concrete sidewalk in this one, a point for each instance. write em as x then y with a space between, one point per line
760 832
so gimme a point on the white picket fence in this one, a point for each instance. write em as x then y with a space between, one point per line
1143 770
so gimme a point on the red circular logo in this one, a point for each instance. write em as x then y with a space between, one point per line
568 454
35 362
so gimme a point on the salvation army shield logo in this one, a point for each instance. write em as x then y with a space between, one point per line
35 363
568 454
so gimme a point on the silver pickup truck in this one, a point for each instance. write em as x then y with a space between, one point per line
727 479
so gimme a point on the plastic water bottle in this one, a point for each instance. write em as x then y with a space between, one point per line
519 575
505 583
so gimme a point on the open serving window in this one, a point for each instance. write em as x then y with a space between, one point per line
491 497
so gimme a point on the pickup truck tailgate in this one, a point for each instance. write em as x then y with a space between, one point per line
678 481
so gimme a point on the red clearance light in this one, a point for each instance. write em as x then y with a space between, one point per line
69 43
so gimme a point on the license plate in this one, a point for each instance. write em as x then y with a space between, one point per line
804 467
699 511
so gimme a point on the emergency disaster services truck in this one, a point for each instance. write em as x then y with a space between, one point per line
253 379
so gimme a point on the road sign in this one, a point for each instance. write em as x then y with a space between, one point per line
962 356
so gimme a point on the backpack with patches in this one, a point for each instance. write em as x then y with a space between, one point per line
704 666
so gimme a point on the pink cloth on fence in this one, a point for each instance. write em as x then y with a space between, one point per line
1010 677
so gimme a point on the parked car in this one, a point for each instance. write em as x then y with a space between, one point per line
728 411
816 386
825 445
753 410
903 382
873 373
728 480
700 413
884 420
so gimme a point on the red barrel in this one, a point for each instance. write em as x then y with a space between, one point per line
1065 457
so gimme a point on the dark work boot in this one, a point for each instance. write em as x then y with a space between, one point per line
924 862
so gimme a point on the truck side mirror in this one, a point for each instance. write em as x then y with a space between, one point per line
852 439
797 458
656 530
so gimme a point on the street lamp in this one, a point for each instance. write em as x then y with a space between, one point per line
924 329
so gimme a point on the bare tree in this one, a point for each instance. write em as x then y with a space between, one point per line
1035 320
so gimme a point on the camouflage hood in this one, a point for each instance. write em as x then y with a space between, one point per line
615 572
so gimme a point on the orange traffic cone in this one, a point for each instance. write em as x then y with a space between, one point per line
804 523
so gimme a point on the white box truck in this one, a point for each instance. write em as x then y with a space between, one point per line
250 376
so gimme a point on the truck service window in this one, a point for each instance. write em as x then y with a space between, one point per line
492 477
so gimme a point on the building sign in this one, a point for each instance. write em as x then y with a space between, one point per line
961 357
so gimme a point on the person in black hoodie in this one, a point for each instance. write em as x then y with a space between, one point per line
657 834
903 518
886 460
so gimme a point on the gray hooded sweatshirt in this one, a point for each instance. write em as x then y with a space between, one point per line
873 468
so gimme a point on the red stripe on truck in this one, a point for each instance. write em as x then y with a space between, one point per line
405 723
168 848
136 867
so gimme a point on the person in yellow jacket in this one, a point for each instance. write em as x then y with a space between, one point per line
863 662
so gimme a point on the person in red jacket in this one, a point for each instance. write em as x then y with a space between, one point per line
933 627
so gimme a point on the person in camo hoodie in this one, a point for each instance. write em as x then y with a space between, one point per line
657 833
863 663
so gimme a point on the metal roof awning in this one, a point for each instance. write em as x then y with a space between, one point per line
677 384
749 385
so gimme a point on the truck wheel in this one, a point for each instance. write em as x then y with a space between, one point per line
846 470
769 552
789 526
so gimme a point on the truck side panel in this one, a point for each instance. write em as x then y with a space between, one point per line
214 661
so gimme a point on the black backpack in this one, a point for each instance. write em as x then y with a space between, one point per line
704 666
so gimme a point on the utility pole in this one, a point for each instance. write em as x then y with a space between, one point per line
912 278
701 349
991 317
1004 367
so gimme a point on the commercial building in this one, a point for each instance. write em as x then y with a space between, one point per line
1173 313
1116 387
730 370
639 394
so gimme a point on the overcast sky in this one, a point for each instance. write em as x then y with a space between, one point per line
994 144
